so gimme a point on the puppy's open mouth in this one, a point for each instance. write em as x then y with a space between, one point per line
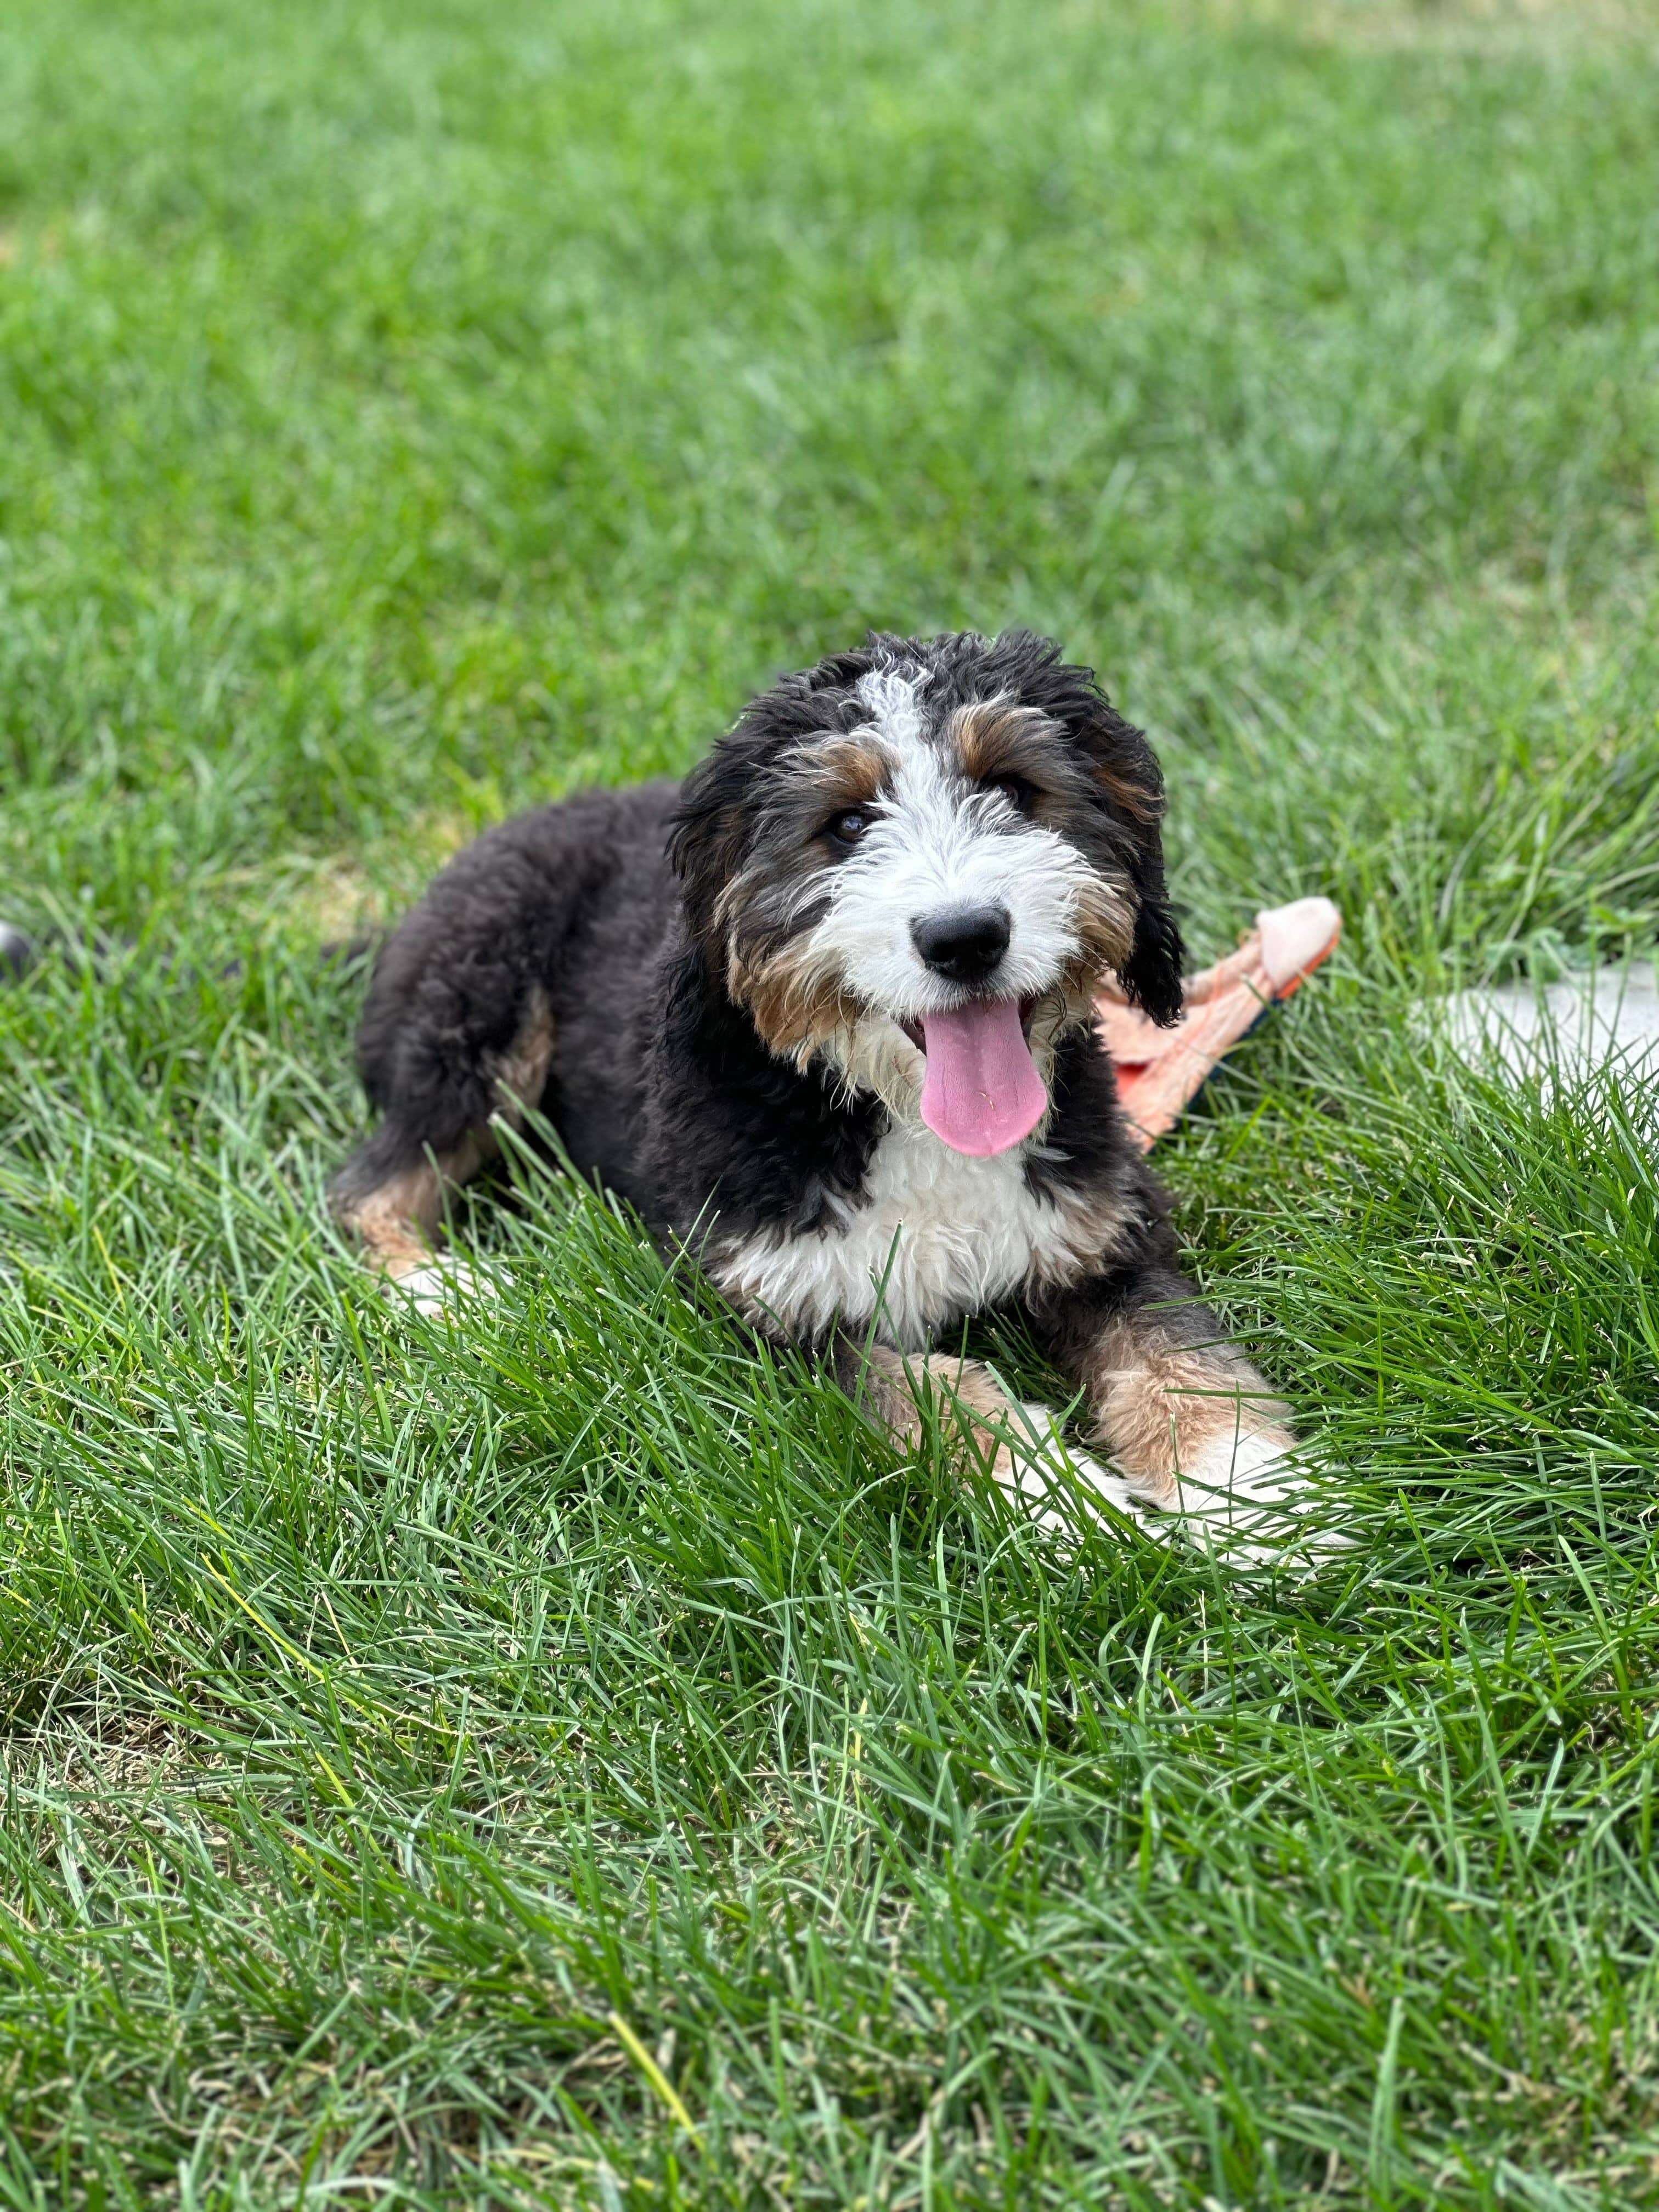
1027 1007
983 1092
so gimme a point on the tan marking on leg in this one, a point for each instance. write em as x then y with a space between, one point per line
971 1387
400 1221
1162 1408
962 1387
1039 1468
519 1075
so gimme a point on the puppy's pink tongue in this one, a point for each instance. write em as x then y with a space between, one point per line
983 1092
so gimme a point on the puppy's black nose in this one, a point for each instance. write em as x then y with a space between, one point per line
964 943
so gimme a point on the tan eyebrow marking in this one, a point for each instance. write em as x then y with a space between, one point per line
998 737
849 768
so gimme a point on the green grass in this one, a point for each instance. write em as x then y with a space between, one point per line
559 1758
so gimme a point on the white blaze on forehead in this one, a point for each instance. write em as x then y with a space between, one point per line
938 842
893 700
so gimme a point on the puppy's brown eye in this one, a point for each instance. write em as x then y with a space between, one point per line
847 829
1020 795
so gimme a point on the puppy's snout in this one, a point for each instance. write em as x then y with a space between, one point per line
964 943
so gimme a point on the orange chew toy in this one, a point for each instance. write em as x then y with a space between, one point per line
1159 1071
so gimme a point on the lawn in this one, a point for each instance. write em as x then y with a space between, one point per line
557 1756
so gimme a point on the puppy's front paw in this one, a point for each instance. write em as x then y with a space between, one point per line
1038 1467
1247 1494
1257 1468
442 1285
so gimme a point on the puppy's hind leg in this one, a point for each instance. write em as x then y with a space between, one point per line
392 1192
390 1196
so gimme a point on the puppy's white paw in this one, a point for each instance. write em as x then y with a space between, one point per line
1036 1471
1254 1468
442 1285
1248 1495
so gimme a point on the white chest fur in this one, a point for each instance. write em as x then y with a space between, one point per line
938 1236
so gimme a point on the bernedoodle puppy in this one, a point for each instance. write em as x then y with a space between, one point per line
823 1014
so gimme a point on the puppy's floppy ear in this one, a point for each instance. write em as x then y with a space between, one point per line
713 828
708 833
1129 787
1152 975
1125 771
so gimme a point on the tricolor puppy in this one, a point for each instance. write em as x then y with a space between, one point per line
823 1013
